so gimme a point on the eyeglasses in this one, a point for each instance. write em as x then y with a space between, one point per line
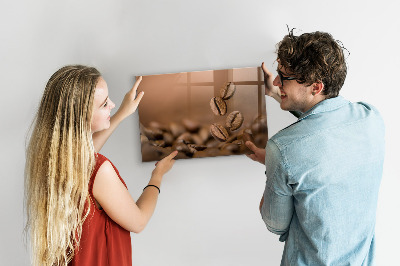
282 78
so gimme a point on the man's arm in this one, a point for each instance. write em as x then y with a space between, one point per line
274 91
270 89
276 211
276 206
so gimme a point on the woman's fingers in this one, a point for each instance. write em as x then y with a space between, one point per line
136 85
131 94
139 98
172 155
168 158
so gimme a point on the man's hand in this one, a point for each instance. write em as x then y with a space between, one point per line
270 89
259 154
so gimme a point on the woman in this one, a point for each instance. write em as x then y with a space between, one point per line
78 207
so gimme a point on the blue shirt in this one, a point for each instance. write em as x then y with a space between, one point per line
323 176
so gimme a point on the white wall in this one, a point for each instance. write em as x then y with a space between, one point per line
208 208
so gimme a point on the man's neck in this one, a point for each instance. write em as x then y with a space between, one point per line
316 100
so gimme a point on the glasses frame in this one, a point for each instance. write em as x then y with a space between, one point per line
282 78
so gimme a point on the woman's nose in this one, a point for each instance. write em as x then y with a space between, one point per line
112 105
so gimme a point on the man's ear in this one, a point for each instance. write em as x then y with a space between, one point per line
317 88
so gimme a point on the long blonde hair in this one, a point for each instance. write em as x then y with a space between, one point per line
59 161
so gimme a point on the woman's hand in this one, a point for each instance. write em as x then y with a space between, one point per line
259 154
128 107
270 89
163 166
131 101
112 195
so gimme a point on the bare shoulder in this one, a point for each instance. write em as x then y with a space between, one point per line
106 170
114 198
106 181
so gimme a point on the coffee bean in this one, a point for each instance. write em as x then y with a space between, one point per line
152 133
204 133
176 129
260 140
209 152
191 149
219 132
158 143
238 142
157 125
190 125
197 139
240 134
218 106
200 154
225 152
212 143
181 155
247 136
186 137
231 138
234 120
227 90
180 146
168 138
198 147
151 152
143 138
259 125
220 144
232 147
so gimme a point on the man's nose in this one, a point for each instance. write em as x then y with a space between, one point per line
277 81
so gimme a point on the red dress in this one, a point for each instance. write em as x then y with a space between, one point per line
103 241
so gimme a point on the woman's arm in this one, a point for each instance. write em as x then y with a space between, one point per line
116 201
128 107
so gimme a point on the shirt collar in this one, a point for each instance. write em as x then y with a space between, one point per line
325 106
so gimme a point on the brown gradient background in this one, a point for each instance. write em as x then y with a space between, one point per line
173 97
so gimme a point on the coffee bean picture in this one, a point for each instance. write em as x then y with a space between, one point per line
202 113
219 132
218 106
227 90
234 120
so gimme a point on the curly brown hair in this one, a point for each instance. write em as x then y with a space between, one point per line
314 57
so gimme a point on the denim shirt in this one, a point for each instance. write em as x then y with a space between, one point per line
323 176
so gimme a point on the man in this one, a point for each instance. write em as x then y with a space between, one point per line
323 171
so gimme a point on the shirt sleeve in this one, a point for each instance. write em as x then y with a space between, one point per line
277 209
